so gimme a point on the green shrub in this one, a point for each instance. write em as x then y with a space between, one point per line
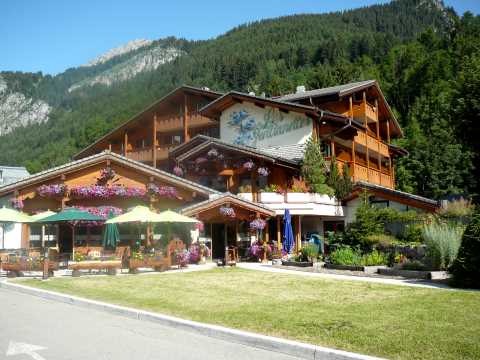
382 240
443 241
346 256
413 233
414 265
374 258
457 209
466 268
309 252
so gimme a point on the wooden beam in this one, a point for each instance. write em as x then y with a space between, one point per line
186 135
279 234
353 161
388 131
376 119
350 109
154 140
125 143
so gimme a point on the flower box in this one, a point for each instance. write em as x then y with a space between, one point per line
322 199
158 263
298 197
246 195
271 197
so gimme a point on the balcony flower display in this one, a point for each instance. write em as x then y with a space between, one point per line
106 174
227 211
178 171
263 171
162 191
16 203
258 224
102 211
212 153
99 191
248 165
52 190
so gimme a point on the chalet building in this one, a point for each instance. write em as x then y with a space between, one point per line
203 153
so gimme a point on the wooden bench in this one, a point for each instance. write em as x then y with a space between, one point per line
16 267
110 266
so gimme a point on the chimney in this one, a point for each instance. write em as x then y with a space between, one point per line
300 89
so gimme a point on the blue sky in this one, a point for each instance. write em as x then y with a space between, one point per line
53 35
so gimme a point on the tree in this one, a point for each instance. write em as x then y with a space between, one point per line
314 169
466 268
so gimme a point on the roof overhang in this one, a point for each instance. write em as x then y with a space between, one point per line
102 157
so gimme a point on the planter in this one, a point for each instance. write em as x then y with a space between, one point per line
298 197
246 196
415 274
15 269
158 263
365 269
297 263
109 265
323 199
271 197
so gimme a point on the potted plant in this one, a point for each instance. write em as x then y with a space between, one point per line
298 192
272 194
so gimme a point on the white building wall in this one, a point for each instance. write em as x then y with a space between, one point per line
13 236
247 124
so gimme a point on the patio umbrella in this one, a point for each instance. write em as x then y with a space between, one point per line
71 216
138 214
287 232
111 235
40 216
12 216
173 217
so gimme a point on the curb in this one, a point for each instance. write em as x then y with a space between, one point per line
270 343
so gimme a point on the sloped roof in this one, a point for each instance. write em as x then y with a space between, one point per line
203 141
293 152
394 195
339 90
10 174
218 200
103 156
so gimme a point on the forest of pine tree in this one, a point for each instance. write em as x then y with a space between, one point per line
425 57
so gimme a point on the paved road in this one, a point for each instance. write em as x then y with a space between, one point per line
73 333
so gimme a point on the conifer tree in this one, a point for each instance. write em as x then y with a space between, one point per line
313 168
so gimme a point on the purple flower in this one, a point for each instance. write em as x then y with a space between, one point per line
16 203
258 224
248 165
227 211
200 160
52 190
106 174
263 171
177 170
162 191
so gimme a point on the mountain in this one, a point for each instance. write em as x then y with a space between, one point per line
273 56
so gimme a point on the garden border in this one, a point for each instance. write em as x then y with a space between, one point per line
270 343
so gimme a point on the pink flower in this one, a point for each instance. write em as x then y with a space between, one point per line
249 165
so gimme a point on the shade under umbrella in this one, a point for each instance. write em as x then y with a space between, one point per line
287 232
111 235
138 214
173 217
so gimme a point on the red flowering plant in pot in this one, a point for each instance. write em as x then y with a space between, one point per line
106 174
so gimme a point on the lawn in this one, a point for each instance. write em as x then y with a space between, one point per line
389 321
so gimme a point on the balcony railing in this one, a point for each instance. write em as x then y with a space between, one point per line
146 155
361 173
360 110
373 143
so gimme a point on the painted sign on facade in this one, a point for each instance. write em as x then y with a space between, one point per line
246 124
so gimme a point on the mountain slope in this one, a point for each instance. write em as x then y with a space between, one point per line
272 56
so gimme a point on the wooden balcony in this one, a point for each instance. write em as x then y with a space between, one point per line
362 110
175 123
145 155
361 173
372 143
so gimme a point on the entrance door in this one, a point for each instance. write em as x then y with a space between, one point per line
218 239
65 239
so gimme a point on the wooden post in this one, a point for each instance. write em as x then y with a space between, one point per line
376 119
350 110
279 234
125 143
332 147
225 242
110 147
154 141
388 131
253 179
353 160
186 135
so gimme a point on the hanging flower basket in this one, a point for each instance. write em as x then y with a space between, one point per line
212 153
16 203
227 211
258 224
248 165
200 160
263 171
178 171
199 226
52 190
